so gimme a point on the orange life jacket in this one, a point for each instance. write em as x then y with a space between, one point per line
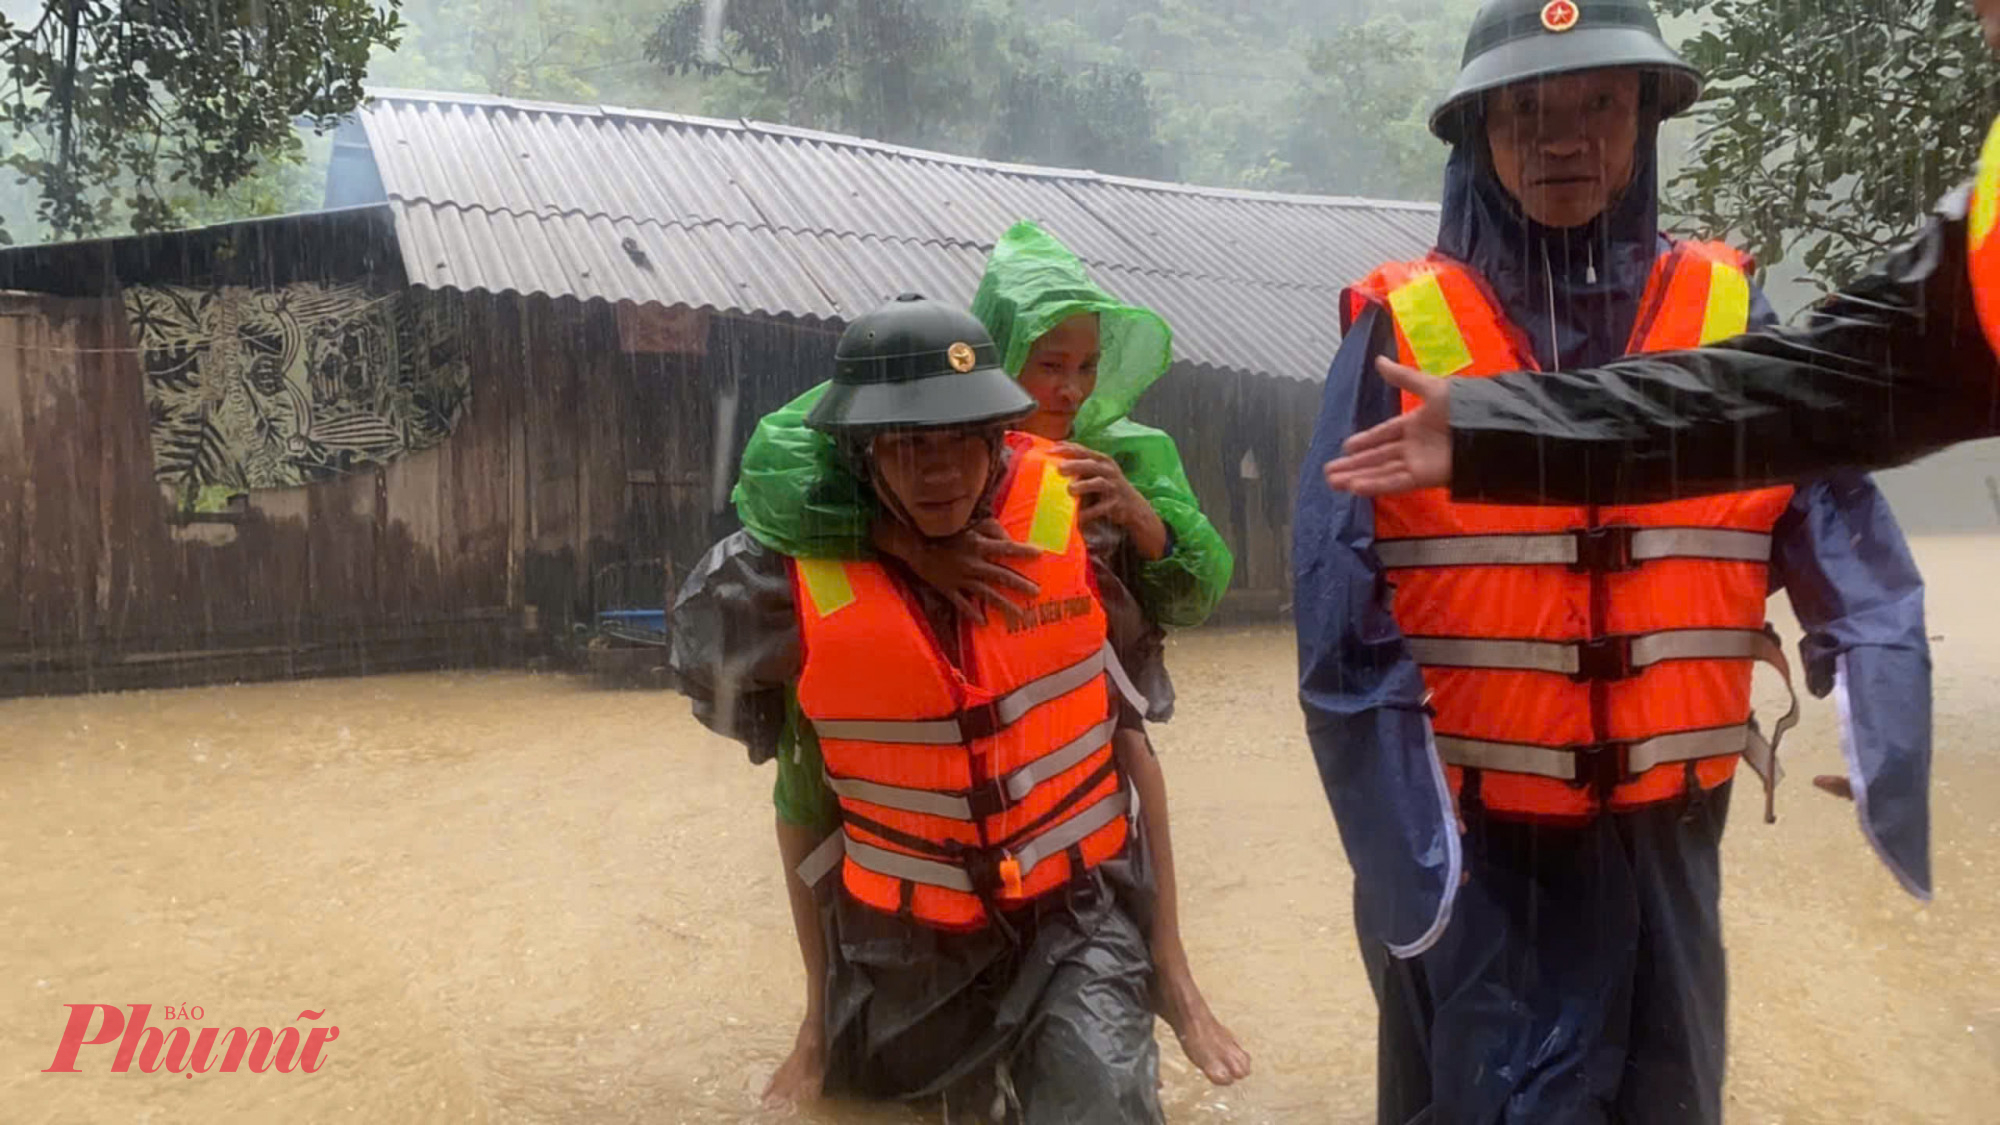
1579 658
983 784
1983 257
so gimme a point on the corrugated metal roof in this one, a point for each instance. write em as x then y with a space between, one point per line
624 205
858 274
728 268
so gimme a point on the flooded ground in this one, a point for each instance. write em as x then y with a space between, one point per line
523 899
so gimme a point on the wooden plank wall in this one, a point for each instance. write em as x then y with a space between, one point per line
574 456
1216 418
19 318
767 364
410 562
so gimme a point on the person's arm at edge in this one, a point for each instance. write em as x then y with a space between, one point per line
1857 593
1885 371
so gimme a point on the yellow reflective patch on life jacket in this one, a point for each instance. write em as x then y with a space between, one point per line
1728 312
1986 192
1055 511
826 585
1425 318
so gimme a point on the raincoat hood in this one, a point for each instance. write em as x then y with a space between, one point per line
1032 284
1575 291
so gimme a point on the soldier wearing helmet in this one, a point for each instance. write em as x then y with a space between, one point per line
960 794
1529 721
1902 363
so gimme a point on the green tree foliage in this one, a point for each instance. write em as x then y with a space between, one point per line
870 66
17 200
960 75
547 50
115 109
1096 116
1222 74
1830 127
1289 95
1360 126
285 182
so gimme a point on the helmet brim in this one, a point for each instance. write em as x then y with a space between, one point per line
1545 56
982 397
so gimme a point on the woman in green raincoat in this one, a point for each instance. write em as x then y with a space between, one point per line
1052 324
1085 357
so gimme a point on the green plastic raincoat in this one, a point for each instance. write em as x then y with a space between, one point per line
796 497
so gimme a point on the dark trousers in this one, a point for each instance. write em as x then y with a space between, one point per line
1580 981
917 1014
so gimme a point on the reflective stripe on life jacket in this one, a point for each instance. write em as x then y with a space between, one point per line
1579 658
982 784
1983 255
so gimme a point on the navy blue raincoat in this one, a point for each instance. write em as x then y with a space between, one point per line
1837 552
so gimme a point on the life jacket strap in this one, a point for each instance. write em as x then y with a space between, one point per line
1582 764
988 719
1592 549
985 801
1600 658
956 876
1607 765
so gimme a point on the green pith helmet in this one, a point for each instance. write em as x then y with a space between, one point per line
917 364
1517 40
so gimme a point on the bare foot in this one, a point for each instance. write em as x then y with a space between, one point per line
801 1077
1208 1045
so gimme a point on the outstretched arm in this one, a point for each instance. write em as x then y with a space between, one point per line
1883 372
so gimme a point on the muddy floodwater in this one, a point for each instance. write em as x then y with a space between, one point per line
523 898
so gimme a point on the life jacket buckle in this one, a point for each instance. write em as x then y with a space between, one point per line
982 867
1604 550
1603 658
1602 767
980 720
988 801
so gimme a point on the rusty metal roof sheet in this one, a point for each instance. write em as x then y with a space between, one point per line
627 205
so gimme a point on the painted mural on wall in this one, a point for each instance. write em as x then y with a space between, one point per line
276 388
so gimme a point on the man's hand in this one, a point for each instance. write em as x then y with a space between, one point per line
1406 453
801 1077
1112 497
966 568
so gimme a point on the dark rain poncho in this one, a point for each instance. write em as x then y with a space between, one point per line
797 497
1578 973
